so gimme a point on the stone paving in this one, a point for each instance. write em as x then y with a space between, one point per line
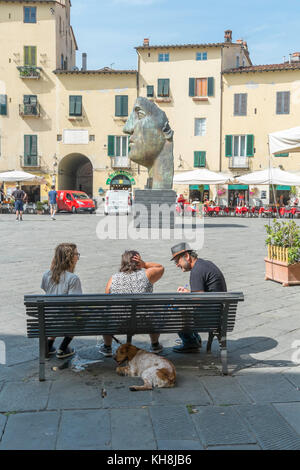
256 407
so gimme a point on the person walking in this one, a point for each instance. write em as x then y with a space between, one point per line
52 201
61 280
205 276
19 196
135 276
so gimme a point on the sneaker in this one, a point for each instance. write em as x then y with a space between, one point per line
178 340
156 348
66 353
105 350
51 352
186 348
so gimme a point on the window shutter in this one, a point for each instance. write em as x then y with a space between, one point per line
202 159
210 86
32 56
166 87
279 103
33 150
78 105
250 149
196 159
111 146
33 14
118 105
27 145
124 105
3 105
72 105
26 15
26 55
243 104
26 99
286 102
160 87
150 91
228 146
191 87
33 99
281 155
236 104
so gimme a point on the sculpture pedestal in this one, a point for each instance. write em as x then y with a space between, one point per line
154 208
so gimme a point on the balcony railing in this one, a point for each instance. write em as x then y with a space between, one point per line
120 162
30 161
29 110
29 71
239 162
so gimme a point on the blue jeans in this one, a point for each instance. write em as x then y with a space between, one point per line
190 339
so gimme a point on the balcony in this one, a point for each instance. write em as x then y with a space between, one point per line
29 71
30 110
120 162
239 162
30 161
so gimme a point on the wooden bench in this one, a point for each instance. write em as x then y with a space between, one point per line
131 314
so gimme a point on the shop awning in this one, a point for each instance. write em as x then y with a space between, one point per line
238 186
285 141
283 188
197 186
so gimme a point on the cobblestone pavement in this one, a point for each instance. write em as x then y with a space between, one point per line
256 407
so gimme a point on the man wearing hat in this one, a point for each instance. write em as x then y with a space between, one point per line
205 276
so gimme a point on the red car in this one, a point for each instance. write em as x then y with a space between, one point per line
74 201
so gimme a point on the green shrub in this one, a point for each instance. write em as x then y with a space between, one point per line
286 235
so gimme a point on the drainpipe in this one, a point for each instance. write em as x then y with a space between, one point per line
221 110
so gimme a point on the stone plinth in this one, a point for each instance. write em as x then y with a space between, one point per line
154 208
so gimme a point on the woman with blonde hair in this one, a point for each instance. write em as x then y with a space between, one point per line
135 276
61 280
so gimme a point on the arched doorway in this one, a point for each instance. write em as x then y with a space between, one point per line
75 172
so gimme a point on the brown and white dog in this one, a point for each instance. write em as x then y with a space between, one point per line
156 371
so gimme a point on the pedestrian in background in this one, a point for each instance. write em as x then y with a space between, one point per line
52 201
19 196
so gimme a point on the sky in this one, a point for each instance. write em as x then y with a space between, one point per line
109 30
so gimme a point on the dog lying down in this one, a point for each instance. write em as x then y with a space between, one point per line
156 371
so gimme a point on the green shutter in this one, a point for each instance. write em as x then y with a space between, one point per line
72 105
197 159
191 87
30 55
111 146
78 106
202 160
210 86
166 87
250 149
33 150
27 145
228 146
281 155
3 105
160 87
150 91
118 106
124 105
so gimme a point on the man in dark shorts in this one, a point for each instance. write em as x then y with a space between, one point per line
52 199
205 277
19 197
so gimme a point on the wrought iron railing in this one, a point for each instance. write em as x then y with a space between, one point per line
29 110
29 71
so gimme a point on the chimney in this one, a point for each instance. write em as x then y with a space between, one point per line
296 57
228 35
240 41
146 42
84 61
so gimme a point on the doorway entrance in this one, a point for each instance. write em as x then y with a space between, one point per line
75 172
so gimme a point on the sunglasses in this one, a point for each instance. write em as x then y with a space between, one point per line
77 254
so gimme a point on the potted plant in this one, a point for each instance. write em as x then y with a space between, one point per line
39 207
283 260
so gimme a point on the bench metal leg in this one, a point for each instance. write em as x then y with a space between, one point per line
224 356
129 339
43 349
209 342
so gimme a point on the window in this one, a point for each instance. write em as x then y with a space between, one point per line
150 91
199 159
29 14
201 55
200 126
201 87
240 104
30 56
30 104
75 105
163 57
3 105
121 105
92 138
239 145
283 102
117 146
59 137
163 87
30 150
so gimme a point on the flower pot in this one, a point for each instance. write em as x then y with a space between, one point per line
281 271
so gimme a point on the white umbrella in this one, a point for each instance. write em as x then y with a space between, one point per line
20 176
285 141
202 176
270 176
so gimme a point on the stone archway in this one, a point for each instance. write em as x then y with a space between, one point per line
75 171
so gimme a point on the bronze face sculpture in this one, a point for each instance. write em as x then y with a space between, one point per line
151 142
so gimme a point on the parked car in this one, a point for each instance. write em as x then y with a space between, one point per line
117 202
74 201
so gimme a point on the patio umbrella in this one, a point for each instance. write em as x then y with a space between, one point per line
202 176
20 176
285 141
270 176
